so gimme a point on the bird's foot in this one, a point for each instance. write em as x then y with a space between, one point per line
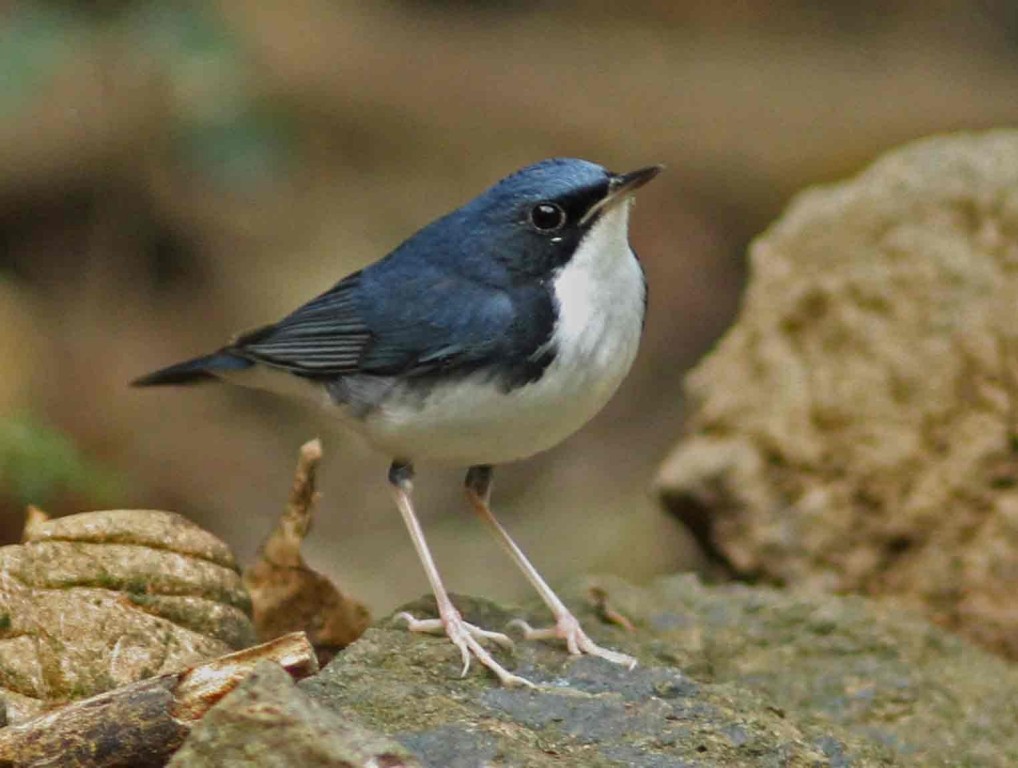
466 637
568 628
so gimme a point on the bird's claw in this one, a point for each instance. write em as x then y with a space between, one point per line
568 628
466 637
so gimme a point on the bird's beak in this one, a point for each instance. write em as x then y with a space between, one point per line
621 186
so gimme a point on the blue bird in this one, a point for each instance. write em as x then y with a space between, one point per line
490 335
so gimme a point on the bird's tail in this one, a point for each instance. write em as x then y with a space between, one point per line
196 371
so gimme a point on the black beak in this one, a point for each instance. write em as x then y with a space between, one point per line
620 187
622 183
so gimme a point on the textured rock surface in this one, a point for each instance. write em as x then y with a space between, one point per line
857 428
729 676
101 599
267 721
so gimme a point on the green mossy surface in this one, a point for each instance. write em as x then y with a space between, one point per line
728 676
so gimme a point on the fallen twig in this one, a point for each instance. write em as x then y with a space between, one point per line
141 724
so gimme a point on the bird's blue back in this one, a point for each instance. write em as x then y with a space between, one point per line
464 292
471 291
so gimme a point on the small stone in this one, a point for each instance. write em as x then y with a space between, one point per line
267 722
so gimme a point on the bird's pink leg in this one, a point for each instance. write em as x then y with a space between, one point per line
464 636
567 627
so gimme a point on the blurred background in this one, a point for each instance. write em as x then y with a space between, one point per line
174 172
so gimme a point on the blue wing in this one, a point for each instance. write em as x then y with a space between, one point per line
389 320
325 337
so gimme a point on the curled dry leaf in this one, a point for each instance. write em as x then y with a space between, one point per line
598 596
288 596
98 600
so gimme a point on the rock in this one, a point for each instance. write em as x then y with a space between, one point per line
102 599
728 676
857 428
267 721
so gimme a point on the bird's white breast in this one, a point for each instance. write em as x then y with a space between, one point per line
601 297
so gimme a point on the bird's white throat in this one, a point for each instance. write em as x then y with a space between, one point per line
601 296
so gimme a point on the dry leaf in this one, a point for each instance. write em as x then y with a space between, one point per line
286 595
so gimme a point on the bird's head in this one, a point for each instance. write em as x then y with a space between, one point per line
533 221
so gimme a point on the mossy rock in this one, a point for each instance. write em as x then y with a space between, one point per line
728 676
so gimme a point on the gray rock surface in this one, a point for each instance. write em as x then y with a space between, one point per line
268 723
729 676
856 430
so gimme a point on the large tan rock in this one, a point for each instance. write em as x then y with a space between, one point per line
102 599
857 428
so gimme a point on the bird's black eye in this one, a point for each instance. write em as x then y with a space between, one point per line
547 217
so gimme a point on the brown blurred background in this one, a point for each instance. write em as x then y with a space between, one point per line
174 172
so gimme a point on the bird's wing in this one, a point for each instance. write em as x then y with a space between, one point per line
386 323
324 337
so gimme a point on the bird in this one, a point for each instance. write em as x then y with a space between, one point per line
488 336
